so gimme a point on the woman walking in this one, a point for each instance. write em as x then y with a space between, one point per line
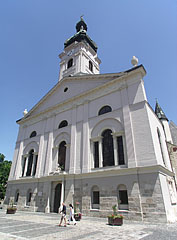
71 214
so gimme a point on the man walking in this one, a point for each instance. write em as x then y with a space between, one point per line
63 211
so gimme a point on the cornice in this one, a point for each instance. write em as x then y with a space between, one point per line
97 173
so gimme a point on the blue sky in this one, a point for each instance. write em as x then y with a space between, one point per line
33 34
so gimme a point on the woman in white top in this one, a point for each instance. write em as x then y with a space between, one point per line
71 214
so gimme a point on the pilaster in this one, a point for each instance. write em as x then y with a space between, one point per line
85 151
131 155
73 142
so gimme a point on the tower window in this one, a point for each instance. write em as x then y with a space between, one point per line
66 89
90 66
70 63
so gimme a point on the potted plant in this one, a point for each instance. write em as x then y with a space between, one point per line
77 213
115 219
11 209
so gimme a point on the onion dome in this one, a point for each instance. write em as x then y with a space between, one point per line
81 25
81 36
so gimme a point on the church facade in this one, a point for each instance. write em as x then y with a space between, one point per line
94 140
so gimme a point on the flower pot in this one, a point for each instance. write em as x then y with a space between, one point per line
11 210
115 221
77 216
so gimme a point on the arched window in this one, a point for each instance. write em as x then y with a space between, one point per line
104 110
28 197
90 66
62 155
16 197
70 63
30 163
122 197
107 148
95 197
33 134
64 123
160 143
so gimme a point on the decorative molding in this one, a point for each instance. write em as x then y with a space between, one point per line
96 139
116 134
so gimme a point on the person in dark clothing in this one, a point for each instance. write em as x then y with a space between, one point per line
63 211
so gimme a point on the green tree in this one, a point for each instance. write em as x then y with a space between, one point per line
2 157
4 174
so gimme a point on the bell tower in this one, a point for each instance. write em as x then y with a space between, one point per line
80 54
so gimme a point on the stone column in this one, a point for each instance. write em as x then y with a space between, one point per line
67 157
62 191
26 164
92 154
34 162
115 150
100 153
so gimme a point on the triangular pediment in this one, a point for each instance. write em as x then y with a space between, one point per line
69 88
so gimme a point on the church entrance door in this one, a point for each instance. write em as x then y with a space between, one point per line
57 198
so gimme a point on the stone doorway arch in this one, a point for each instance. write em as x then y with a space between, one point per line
57 198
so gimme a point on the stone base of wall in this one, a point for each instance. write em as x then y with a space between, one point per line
145 199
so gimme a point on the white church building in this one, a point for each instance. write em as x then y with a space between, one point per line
94 139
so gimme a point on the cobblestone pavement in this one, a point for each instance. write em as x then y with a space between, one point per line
40 226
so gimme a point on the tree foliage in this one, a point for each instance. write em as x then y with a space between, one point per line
4 174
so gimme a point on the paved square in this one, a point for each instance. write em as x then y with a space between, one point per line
40 226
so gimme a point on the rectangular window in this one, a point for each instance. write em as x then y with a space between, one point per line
96 197
120 150
96 154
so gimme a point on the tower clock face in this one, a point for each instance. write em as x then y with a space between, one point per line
70 52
